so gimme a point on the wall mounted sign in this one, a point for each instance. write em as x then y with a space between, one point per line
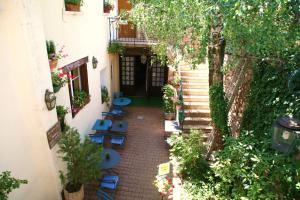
75 64
54 135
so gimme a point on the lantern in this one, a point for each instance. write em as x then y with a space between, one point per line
286 131
50 99
94 62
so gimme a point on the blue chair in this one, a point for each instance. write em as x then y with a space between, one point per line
118 140
103 195
117 95
96 138
109 182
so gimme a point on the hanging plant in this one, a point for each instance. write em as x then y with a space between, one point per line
53 56
115 48
58 80
61 113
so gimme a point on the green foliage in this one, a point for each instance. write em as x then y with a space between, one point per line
80 97
8 184
74 2
188 151
116 48
269 98
58 81
61 111
248 169
294 82
168 98
82 159
51 49
219 108
105 95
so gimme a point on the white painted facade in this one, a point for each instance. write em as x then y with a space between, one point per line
25 25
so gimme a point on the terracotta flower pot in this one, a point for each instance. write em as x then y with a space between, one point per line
73 7
107 9
79 195
53 64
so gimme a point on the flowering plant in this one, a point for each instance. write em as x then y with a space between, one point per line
164 186
51 50
59 79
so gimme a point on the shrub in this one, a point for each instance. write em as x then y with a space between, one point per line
188 152
115 48
82 159
168 98
8 183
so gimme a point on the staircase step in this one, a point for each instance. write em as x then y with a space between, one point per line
193 85
196 122
195 98
198 73
194 79
196 105
204 128
197 113
192 91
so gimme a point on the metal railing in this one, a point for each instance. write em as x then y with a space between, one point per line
138 38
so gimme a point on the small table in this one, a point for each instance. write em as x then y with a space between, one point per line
108 164
119 126
102 127
123 101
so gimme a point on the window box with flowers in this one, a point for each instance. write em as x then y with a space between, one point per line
79 100
73 5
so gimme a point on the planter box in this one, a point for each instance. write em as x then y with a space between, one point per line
74 195
73 7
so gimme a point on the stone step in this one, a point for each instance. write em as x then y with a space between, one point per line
196 105
196 122
204 128
192 91
193 79
195 98
197 113
194 85
198 73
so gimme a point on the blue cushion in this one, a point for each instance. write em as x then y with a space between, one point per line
117 140
97 139
104 195
110 182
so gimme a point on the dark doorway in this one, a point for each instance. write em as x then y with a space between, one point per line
140 77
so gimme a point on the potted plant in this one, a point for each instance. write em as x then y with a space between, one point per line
73 5
53 56
8 184
58 80
105 95
168 101
115 48
61 113
107 7
82 159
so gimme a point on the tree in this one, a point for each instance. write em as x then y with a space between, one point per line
254 30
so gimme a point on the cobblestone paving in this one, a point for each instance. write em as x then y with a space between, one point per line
144 151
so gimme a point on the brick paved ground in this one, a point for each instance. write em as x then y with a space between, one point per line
144 150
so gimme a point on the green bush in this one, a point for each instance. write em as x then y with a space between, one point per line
168 98
82 159
115 48
188 151
105 95
51 49
8 184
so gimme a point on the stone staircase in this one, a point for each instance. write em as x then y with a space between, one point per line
196 99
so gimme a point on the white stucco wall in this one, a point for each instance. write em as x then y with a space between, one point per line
24 119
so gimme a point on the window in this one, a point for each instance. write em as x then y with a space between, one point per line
78 84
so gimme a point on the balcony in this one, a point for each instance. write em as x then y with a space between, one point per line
127 34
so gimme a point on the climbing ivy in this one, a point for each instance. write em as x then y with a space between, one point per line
219 112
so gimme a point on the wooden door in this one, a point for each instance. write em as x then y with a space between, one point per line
157 77
127 81
126 30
